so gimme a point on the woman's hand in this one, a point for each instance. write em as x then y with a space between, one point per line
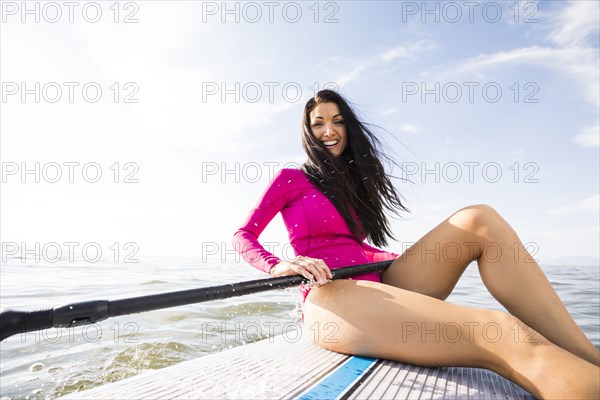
313 269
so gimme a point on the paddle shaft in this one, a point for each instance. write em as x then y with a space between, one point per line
90 312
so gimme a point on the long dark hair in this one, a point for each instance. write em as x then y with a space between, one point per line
357 177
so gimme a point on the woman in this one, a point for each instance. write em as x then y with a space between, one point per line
338 200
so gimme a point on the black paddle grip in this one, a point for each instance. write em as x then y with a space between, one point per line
88 312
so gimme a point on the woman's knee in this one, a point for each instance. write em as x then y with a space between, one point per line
477 218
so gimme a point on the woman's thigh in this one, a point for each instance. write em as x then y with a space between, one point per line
373 319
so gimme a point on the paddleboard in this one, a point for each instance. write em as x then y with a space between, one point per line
291 366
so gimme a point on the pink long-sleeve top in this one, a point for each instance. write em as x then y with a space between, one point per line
315 228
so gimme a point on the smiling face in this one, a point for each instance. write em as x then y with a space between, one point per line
328 127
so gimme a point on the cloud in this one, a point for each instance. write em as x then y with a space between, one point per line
403 51
580 64
409 128
576 23
573 56
589 205
389 111
589 137
382 58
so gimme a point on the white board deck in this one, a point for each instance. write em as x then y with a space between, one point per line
285 368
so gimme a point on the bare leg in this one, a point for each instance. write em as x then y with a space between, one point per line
378 320
433 265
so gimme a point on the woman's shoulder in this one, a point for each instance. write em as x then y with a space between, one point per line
291 175
290 179
286 183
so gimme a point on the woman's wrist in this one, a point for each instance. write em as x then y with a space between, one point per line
273 269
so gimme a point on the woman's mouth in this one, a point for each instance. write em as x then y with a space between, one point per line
330 143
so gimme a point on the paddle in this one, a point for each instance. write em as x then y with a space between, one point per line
90 312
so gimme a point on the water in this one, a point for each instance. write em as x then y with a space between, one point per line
55 362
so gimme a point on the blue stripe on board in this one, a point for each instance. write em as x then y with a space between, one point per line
340 380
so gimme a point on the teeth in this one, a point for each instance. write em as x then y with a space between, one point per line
330 143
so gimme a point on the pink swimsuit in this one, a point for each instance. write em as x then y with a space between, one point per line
314 226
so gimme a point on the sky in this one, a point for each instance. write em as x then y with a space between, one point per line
150 128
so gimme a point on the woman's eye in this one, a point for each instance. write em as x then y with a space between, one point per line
317 124
340 122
